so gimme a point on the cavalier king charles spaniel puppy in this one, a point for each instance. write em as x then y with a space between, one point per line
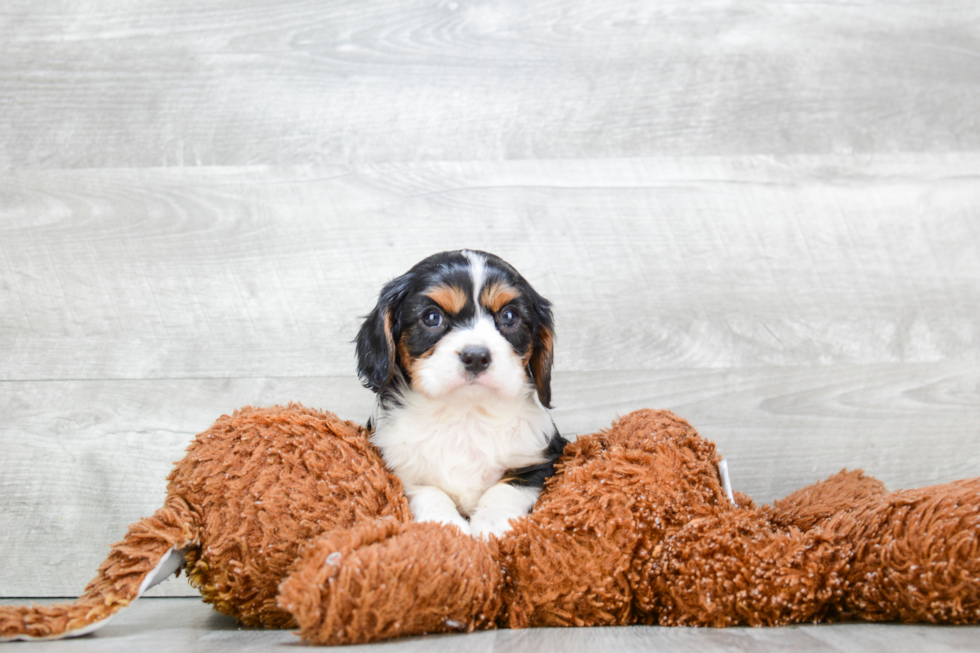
458 351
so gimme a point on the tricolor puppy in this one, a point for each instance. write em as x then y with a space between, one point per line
459 352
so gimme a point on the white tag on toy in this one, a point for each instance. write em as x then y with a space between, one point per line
167 567
726 483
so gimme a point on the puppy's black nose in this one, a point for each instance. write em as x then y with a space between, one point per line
475 359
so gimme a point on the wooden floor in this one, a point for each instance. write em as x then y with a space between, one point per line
185 625
761 214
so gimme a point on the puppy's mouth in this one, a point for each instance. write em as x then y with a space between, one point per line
482 378
472 382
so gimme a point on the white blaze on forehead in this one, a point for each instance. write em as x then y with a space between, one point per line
478 270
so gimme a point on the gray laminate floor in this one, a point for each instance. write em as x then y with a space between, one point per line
166 625
763 215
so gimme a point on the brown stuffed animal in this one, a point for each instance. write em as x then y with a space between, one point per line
287 517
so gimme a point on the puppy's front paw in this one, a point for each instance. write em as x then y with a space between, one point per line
449 520
463 525
430 504
498 506
488 523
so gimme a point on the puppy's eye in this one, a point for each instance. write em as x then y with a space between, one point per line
432 319
509 319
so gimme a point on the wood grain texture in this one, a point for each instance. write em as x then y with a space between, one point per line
83 459
783 428
763 215
190 626
650 263
181 83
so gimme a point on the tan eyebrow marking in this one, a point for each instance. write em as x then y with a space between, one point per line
497 295
450 298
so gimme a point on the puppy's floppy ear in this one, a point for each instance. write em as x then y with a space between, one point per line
543 344
377 336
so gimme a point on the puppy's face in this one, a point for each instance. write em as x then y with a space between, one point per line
459 323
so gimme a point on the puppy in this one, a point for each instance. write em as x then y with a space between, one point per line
459 351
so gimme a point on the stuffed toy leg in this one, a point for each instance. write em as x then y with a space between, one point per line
250 492
913 555
152 550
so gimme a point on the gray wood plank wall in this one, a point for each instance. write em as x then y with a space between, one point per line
763 215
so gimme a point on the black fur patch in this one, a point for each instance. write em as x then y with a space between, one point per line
536 475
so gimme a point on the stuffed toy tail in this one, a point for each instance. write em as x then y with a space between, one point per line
152 550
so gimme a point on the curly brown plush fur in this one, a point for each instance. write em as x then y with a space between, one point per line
290 519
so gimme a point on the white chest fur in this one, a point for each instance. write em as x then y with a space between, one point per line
462 445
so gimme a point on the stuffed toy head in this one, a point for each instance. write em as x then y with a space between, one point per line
286 517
